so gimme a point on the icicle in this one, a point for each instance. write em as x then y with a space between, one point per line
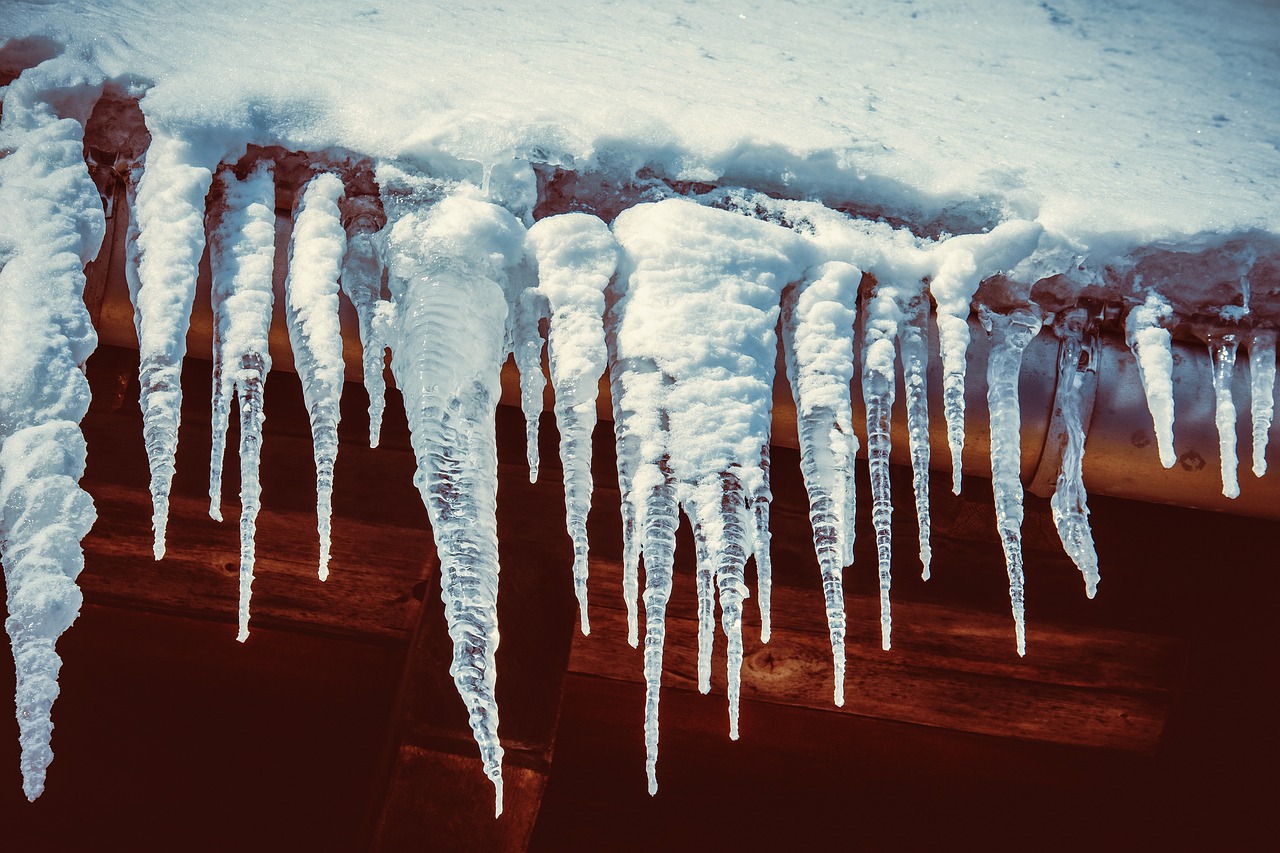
450 266
627 443
1148 336
963 263
1262 385
659 517
880 332
1070 502
362 283
52 226
311 301
817 335
531 311
576 258
913 337
1010 335
759 501
242 233
1222 354
170 238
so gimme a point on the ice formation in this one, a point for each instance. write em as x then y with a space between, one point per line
242 236
880 334
1262 387
361 280
1070 502
1152 345
1222 357
311 306
913 340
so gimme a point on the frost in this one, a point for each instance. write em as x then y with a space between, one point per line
1147 333
242 234
1262 386
1070 502
311 308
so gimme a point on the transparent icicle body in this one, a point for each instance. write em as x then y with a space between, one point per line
1070 501
1262 386
576 257
881 320
817 334
450 264
659 517
362 283
311 308
913 339
531 312
242 233
168 240
1222 355
1010 335
52 226
1152 345
759 501
627 443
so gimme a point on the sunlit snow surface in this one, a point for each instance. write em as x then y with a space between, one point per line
1058 141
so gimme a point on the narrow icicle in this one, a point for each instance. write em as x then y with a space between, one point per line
1152 345
242 234
759 501
1010 335
170 238
659 518
52 226
451 263
531 312
576 256
311 302
1262 385
880 332
817 334
362 283
627 442
913 338
1070 501
705 586
1222 355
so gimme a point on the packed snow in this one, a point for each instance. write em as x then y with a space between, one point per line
666 196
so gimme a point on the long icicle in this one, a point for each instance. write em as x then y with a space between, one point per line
881 322
311 302
1070 501
362 283
1010 335
913 338
242 251
1148 336
1222 355
1262 386
532 312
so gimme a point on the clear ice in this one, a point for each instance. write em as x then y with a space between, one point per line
1148 336
1262 386
881 320
1222 357
913 341
362 283
1070 501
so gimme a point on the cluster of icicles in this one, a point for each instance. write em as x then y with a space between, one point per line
678 300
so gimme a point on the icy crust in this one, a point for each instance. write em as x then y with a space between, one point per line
316 251
692 333
242 231
576 258
451 267
53 225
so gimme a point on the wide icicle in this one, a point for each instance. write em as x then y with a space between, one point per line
316 250
362 283
1070 501
1262 386
53 225
913 340
168 236
576 256
242 235
881 321
1010 335
1222 356
451 263
694 322
1146 330
817 335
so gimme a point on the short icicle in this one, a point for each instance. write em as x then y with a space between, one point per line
242 233
576 258
1146 330
1010 335
311 308
1070 501
1222 355
881 321
1262 386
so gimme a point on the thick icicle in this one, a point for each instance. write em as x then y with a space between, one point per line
1070 501
577 257
1222 355
52 226
169 234
817 335
242 234
311 302
1010 335
962 263
362 283
1148 336
1262 385
913 338
450 267
880 333
531 312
